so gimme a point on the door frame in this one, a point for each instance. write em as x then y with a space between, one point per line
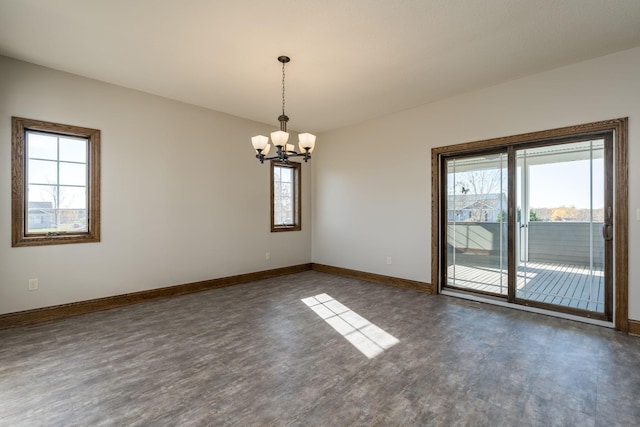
621 198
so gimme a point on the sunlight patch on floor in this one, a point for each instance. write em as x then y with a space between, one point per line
364 335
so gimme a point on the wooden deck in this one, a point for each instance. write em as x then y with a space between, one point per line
562 284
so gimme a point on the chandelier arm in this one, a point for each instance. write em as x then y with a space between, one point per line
284 156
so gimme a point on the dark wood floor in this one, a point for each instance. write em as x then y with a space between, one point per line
256 354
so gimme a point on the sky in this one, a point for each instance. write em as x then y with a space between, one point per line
566 184
551 185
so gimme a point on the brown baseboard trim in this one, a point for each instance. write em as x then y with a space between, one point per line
634 327
45 314
397 282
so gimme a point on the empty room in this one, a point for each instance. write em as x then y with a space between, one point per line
355 213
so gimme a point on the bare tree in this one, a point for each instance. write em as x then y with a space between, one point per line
52 192
475 187
484 181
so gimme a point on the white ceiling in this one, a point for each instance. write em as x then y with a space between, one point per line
352 60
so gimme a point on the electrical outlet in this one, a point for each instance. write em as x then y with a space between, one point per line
267 256
33 284
388 260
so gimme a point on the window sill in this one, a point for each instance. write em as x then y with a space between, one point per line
277 228
39 240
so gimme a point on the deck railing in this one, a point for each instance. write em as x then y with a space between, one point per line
553 242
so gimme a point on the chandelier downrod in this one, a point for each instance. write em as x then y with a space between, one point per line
279 138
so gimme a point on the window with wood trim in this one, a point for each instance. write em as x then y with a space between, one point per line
55 183
285 196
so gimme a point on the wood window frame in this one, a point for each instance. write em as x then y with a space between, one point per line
297 194
621 198
19 236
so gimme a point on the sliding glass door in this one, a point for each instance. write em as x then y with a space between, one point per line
531 224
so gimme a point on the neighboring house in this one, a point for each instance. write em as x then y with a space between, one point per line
41 215
476 207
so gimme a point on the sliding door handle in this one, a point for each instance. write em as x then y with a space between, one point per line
607 231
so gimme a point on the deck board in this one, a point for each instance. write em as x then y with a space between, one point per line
566 285
571 281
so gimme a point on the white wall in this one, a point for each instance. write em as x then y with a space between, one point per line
183 198
372 182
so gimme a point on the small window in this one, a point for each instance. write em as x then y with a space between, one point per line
55 183
285 196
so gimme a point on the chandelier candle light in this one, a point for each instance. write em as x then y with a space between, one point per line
306 141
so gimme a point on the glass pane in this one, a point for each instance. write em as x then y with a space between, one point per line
42 172
477 223
72 198
41 146
73 150
56 209
560 215
40 220
73 174
41 208
72 220
286 174
42 194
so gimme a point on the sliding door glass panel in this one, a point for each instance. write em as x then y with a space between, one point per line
477 223
560 214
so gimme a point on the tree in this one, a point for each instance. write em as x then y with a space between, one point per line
475 188
533 216
58 199
564 213
482 181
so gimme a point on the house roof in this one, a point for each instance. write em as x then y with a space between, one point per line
40 205
476 201
351 60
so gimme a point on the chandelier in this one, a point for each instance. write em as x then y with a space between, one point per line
306 141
